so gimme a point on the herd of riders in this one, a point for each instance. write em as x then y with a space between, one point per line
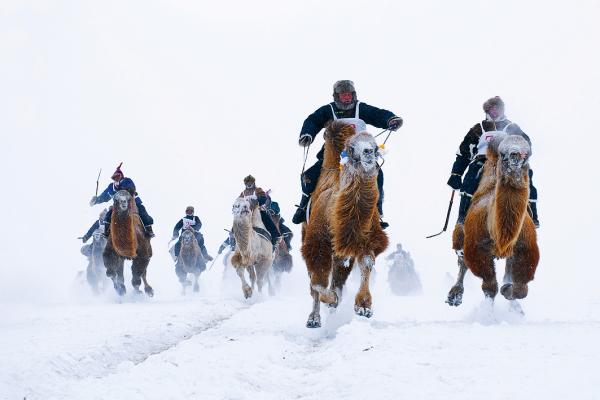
346 108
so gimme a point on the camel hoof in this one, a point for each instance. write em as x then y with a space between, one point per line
455 296
120 288
247 291
363 311
149 291
314 321
507 291
196 288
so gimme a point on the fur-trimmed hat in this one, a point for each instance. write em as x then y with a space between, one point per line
249 180
189 208
117 171
344 86
493 102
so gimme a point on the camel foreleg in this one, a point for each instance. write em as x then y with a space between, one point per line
363 300
138 271
314 318
456 292
341 270
245 287
114 270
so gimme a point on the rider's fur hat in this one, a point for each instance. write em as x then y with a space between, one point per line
344 86
493 102
189 208
117 171
249 180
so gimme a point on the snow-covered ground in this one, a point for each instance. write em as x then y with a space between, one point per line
194 95
215 345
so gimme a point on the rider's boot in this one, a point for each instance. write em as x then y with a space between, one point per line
532 209
300 214
149 232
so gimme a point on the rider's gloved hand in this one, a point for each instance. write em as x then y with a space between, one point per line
305 140
395 123
455 182
221 248
93 201
209 258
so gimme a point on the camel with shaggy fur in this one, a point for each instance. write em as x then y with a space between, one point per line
343 226
282 259
127 241
95 271
498 225
190 259
253 251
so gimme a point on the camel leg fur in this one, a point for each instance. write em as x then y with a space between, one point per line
521 266
362 302
341 272
245 287
480 260
196 285
138 267
456 292
114 270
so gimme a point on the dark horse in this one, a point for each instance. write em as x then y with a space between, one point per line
127 240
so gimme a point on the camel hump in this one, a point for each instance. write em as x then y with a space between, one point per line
505 144
336 128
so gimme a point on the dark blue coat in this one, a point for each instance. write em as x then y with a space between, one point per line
196 225
123 184
316 121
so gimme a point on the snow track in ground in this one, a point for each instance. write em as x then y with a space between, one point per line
60 344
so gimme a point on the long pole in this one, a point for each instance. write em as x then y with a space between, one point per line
98 181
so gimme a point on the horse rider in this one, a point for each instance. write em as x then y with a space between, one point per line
122 183
190 221
275 213
346 108
258 194
472 154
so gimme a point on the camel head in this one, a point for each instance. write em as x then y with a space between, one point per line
122 201
513 153
187 237
363 153
337 133
242 207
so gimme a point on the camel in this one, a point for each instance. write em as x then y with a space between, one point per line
190 260
253 250
343 225
95 270
498 225
127 240
282 259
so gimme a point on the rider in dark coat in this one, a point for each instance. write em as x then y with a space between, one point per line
190 221
471 155
344 107
122 183
262 198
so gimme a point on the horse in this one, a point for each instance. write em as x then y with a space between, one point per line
498 225
253 250
190 259
343 226
127 240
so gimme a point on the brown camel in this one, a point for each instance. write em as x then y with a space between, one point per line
497 224
253 249
190 259
343 226
127 240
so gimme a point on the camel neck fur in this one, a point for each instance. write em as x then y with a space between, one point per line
242 229
123 233
335 139
506 201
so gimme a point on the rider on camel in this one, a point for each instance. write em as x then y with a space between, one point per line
346 108
472 154
122 183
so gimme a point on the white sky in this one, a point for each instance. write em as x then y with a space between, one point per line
194 95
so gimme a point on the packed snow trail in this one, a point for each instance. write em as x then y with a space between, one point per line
223 347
